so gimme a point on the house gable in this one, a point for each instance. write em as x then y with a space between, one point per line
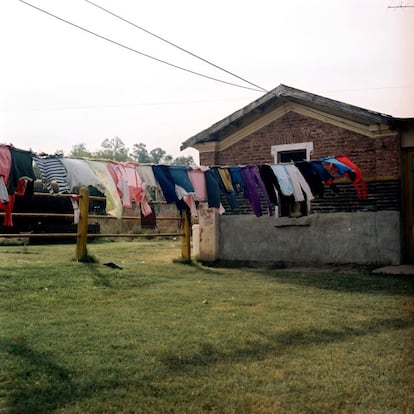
372 130
376 156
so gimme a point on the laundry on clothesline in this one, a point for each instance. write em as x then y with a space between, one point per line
125 183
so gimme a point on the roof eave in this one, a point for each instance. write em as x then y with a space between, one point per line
365 116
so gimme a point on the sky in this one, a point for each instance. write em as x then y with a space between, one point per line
61 86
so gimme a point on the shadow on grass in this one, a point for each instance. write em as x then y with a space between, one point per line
358 283
278 344
36 384
119 279
40 385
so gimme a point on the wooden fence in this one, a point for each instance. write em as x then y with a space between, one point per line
82 234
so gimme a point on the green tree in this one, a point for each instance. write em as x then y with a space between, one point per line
168 159
140 153
183 160
80 150
113 149
157 155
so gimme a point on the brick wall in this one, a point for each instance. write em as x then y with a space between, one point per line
207 158
375 156
382 195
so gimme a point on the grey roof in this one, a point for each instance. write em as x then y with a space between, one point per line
279 96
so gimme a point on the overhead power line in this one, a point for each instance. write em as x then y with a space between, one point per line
137 51
173 44
120 105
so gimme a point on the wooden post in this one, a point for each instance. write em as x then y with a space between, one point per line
82 238
186 239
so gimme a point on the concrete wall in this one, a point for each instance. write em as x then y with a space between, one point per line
335 238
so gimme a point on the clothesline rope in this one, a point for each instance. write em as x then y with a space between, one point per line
123 183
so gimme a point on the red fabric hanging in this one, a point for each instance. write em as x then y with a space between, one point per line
358 181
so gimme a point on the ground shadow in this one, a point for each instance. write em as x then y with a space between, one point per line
358 283
40 385
36 384
278 344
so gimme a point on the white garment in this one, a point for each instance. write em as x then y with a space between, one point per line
4 195
147 175
76 211
283 179
80 174
299 183
189 199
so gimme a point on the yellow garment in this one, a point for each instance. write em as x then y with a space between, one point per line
226 178
113 201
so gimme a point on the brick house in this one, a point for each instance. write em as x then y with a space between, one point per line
287 123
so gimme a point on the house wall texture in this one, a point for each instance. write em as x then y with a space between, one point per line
352 230
377 157
365 238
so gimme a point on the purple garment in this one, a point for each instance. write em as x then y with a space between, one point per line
252 184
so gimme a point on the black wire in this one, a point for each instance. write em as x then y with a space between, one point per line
174 45
137 51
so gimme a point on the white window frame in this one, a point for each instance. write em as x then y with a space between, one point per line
308 146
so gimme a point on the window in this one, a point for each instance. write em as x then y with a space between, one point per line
289 156
292 152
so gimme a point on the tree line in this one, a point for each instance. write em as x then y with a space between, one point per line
114 149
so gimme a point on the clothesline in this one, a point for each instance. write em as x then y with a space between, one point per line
124 182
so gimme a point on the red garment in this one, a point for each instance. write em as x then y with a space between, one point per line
358 182
8 209
21 187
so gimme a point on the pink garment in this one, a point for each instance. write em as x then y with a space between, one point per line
136 187
117 173
5 163
7 200
129 185
198 181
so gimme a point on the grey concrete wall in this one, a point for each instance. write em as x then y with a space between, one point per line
209 243
337 238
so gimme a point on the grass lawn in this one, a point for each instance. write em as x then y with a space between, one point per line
161 336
